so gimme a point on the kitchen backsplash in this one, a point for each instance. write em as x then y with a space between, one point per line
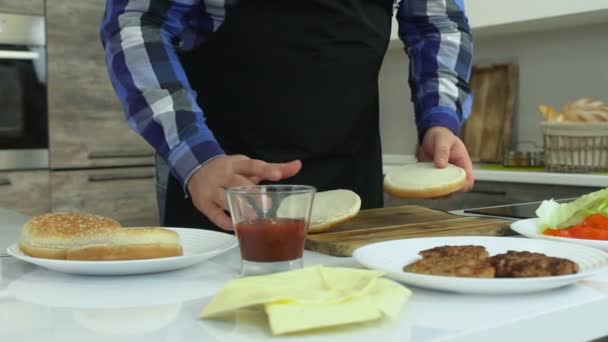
555 67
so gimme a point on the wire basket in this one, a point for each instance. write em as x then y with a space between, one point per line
577 147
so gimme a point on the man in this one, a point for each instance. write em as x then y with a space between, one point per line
237 92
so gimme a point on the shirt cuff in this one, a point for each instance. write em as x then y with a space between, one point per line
443 117
187 157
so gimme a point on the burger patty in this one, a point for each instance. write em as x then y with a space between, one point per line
474 261
456 261
469 251
515 264
453 266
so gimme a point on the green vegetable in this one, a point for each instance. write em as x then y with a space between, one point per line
560 215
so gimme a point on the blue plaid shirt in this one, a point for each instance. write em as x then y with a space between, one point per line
141 39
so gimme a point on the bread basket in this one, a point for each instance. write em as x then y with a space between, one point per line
577 147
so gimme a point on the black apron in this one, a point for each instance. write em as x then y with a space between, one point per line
283 80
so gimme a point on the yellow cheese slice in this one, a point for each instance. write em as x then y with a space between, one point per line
291 317
313 297
389 297
384 299
315 284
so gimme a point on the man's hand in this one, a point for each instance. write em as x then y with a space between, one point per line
208 185
440 145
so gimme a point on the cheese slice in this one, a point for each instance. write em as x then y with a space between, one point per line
291 317
384 299
313 297
309 285
389 297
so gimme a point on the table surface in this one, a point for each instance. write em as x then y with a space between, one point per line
37 304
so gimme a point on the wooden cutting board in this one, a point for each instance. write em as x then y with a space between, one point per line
410 221
487 132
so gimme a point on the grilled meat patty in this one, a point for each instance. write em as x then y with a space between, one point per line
470 251
474 261
453 266
456 261
515 264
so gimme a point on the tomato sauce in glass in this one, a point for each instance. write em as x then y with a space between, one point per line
269 240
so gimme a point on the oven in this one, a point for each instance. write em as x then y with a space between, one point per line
24 137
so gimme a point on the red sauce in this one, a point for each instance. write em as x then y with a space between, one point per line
268 240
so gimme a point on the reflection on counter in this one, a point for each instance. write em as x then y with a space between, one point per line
127 321
60 290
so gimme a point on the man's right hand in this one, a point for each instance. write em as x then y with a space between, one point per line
208 185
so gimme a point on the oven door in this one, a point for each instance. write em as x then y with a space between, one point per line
23 108
23 113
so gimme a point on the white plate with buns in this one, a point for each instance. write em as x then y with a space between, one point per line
197 245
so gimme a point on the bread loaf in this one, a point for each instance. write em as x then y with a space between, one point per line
424 180
581 110
125 244
50 235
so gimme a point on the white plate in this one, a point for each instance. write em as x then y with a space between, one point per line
391 256
199 245
530 228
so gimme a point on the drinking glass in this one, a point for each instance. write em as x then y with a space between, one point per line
271 223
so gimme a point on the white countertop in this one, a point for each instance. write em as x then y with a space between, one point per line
37 304
391 161
11 223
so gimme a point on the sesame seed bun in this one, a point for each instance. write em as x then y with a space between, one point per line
424 180
125 244
50 235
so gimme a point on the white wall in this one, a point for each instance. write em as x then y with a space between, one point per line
555 67
396 111
485 13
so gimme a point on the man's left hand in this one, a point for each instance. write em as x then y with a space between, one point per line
441 146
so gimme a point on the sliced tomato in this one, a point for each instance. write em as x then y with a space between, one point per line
594 227
587 232
597 221
557 232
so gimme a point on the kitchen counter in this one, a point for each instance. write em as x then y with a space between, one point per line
514 176
36 304
11 223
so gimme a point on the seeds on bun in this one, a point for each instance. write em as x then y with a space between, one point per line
125 244
424 180
50 235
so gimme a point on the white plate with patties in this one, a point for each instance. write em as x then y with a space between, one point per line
198 246
393 256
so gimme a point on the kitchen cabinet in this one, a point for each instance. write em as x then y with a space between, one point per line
125 194
31 7
486 194
86 121
25 191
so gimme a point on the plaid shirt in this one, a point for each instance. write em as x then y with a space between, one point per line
141 39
